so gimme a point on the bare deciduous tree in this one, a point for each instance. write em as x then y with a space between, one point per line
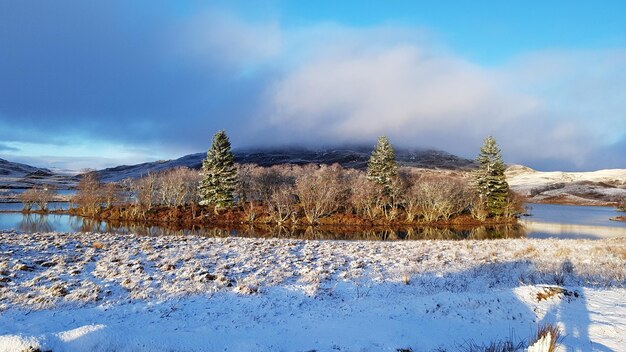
365 196
318 190
281 204
39 195
89 196
437 197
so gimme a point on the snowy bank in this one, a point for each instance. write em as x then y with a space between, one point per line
103 292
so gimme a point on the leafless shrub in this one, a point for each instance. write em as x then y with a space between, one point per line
258 185
176 187
514 205
267 180
365 197
318 190
246 174
170 188
437 197
89 196
281 204
477 207
39 195
111 193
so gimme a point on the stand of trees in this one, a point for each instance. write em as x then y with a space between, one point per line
39 195
310 194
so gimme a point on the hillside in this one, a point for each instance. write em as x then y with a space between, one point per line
20 176
602 187
349 157
582 188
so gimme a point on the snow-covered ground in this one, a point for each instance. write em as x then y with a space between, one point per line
107 292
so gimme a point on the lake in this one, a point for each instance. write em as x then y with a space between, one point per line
572 221
545 221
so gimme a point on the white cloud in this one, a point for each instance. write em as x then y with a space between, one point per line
549 106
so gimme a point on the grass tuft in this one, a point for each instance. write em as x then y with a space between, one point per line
507 345
547 338
406 279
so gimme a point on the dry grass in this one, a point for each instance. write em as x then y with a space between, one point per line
507 345
563 252
547 331
529 251
550 292
146 247
406 279
617 252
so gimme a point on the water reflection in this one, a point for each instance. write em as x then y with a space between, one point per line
64 223
35 223
546 229
15 206
379 234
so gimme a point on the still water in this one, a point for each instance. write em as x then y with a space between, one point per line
545 221
573 221
13 206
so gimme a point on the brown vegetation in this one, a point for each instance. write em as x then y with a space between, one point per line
39 196
549 332
621 206
293 196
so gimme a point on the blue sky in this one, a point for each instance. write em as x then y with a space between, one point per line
95 84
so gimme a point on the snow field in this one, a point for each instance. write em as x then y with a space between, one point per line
132 293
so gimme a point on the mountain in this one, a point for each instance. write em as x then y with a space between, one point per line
600 187
15 175
11 169
355 157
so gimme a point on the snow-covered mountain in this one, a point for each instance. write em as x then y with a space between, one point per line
583 188
11 169
348 157
16 175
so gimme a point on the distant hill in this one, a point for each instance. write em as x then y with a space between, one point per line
356 157
602 187
11 169
16 175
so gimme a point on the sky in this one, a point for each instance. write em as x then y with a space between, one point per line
102 83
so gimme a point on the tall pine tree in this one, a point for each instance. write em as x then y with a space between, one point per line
220 175
382 167
490 179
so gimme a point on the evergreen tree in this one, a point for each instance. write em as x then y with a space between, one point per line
490 179
382 167
220 175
